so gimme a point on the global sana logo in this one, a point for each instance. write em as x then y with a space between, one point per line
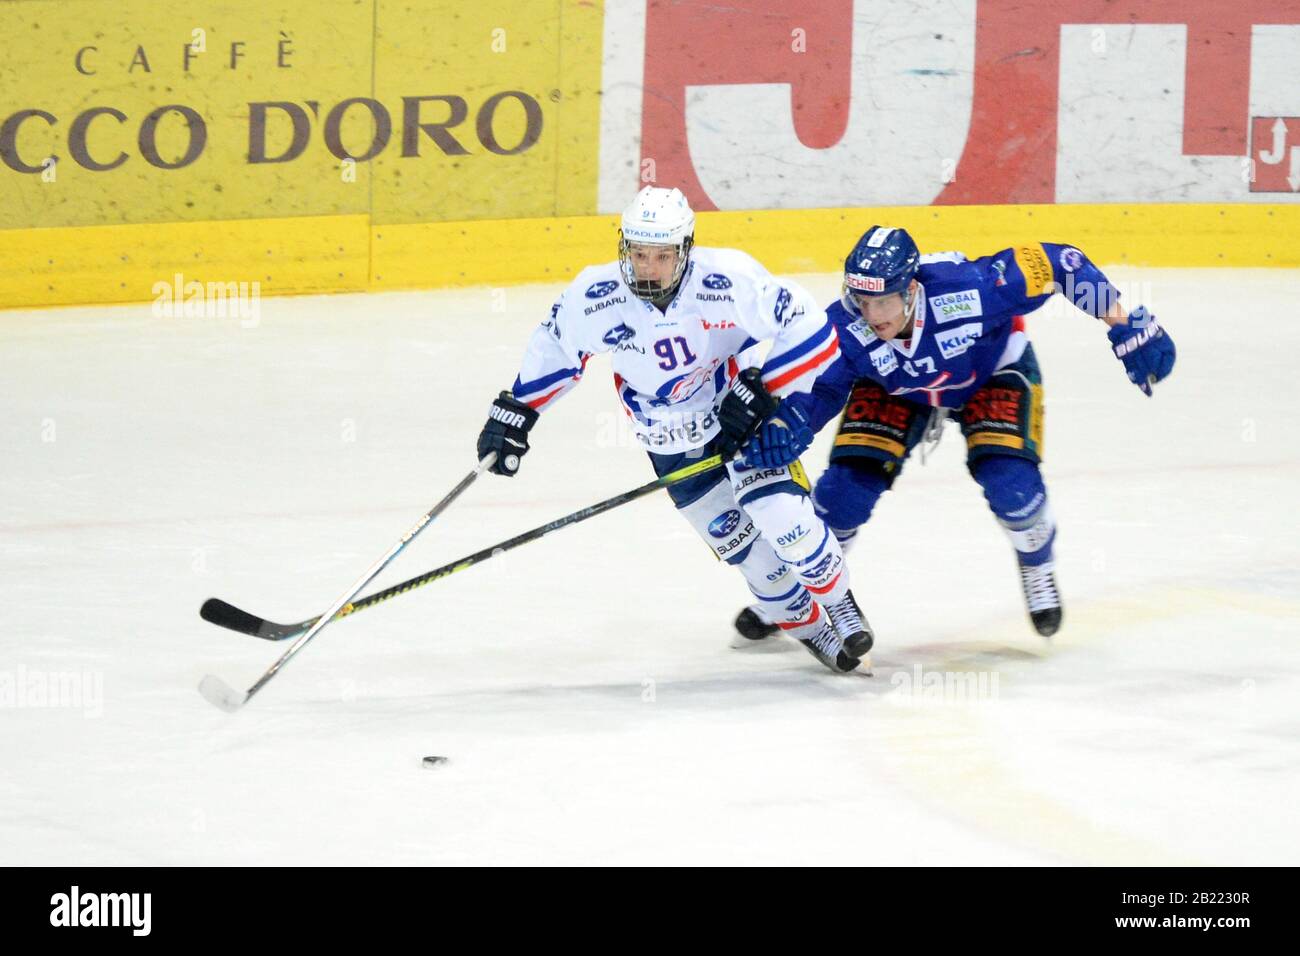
598 290
716 280
724 524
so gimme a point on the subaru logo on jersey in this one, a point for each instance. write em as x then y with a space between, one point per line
724 524
824 566
618 334
604 304
598 290
956 305
801 602
1071 258
954 343
716 280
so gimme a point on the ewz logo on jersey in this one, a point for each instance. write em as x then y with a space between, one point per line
618 334
724 524
716 280
598 290
791 537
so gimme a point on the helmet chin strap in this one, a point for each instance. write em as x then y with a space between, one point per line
910 302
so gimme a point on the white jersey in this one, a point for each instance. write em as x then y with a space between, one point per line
671 369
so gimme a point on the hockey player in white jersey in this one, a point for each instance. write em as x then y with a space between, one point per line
684 328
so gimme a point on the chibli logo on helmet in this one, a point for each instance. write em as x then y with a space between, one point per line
865 283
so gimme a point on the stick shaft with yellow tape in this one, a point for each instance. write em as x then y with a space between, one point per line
220 694
227 615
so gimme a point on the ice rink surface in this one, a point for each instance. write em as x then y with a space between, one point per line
583 687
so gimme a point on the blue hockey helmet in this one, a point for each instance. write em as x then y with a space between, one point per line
883 262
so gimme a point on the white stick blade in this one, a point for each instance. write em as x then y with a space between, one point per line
220 694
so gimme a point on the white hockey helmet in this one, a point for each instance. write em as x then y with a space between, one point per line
656 217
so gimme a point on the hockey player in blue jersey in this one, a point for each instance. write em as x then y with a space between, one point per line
684 328
925 337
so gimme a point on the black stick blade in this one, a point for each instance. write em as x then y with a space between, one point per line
218 612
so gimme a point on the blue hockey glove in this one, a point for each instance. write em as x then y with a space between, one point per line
1144 347
743 410
506 433
779 440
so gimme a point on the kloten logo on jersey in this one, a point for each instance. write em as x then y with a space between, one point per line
598 290
724 524
782 311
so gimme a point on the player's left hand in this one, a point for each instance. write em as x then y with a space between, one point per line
780 440
743 410
1144 347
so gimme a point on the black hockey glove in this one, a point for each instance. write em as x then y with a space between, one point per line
506 433
743 410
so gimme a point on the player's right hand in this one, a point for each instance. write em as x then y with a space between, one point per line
781 439
742 410
1144 347
506 433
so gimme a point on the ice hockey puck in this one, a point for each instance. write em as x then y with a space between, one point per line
430 762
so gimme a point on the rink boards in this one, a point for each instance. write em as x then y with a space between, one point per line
133 263
149 145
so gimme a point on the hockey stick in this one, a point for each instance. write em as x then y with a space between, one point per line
226 615
220 694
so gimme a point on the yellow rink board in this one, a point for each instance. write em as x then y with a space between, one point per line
105 264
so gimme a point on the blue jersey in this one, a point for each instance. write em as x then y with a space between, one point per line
965 316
